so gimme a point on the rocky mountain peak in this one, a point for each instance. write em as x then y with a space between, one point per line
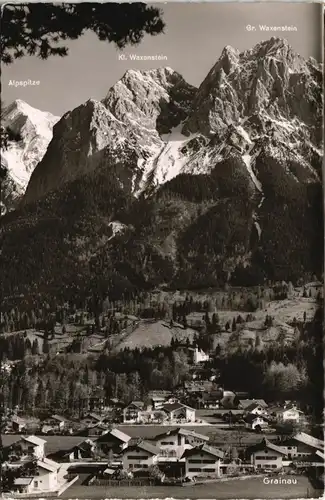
268 78
34 127
144 98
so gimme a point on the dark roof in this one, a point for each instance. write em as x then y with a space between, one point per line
181 431
137 404
252 406
144 445
210 450
265 443
172 406
115 433
85 445
311 441
245 403
251 417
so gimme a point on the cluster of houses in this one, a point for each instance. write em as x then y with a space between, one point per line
188 453
164 408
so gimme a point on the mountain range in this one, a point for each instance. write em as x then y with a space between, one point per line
162 183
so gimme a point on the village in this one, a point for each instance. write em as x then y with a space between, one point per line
186 420
166 443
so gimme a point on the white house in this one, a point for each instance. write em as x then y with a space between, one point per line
32 445
203 461
132 412
199 356
45 479
256 409
139 456
177 412
174 442
266 455
287 414
255 422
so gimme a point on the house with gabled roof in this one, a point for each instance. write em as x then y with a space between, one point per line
203 461
256 409
55 421
255 422
267 455
45 480
18 424
91 419
113 441
174 442
139 455
84 449
289 413
132 412
244 404
301 445
32 446
178 412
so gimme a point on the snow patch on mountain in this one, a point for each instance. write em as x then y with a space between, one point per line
247 158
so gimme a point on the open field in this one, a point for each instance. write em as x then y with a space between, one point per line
245 488
152 333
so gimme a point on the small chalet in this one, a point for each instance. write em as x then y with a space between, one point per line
56 422
256 409
85 449
244 404
18 424
45 479
255 422
140 455
158 398
131 413
174 442
113 441
266 455
91 419
301 445
32 446
203 461
177 412
289 413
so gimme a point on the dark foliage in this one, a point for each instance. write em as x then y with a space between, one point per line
39 29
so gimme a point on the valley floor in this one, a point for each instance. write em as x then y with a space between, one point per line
245 488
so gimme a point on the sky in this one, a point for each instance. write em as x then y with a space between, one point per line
193 40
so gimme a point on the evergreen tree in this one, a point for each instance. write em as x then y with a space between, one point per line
39 29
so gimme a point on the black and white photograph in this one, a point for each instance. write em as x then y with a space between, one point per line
161 251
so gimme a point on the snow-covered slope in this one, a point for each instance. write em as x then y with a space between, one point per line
35 129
